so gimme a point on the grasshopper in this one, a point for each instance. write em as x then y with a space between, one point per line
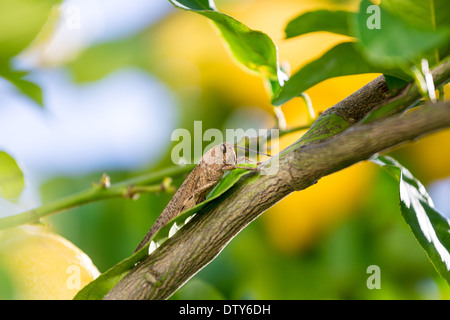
199 182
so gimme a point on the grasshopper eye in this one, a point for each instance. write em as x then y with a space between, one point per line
224 148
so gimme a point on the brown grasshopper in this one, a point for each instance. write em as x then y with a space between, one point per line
194 189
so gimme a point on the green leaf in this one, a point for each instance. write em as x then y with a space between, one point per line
28 88
342 60
20 22
428 14
252 49
194 4
395 43
11 177
320 20
431 14
98 288
431 229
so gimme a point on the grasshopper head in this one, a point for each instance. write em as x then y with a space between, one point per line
222 154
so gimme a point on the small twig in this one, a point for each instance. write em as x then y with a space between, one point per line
133 192
129 189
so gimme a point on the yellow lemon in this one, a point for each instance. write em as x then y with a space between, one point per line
43 265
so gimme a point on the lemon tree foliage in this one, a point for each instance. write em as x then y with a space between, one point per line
390 45
426 15
391 49
431 228
396 43
320 20
19 79
342 60
254 50
20 23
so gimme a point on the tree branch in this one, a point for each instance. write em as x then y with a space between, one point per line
337 140
126 189
199 242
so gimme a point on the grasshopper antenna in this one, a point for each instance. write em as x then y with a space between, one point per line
247 149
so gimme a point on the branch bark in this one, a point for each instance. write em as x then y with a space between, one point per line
319 153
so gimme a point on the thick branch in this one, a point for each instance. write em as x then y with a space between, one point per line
195 245
365 123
